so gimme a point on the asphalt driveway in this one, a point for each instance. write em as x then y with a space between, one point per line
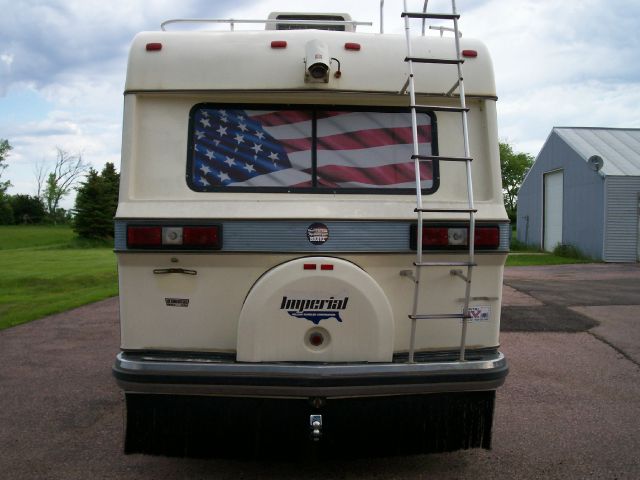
569 408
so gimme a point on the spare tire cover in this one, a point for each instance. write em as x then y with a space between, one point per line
316 309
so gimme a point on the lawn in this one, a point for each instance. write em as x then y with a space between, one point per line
45 272
528 259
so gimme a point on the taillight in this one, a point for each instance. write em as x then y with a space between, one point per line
195 237
456 237
487 237
435 237
144 237
201 237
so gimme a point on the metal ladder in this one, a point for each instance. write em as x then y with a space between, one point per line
417 157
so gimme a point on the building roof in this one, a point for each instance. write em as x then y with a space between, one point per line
618 147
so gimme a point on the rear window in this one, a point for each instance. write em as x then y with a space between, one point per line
307 150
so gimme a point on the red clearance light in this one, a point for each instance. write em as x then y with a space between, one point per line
487 237
154 47
144 237
470 53
201 237
352 46
309 266
278 44
326 267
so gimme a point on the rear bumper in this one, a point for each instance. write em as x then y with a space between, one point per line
145 373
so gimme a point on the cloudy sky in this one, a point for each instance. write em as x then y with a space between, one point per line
62 65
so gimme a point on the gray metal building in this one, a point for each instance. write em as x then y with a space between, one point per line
584 190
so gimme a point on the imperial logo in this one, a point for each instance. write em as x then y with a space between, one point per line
315 309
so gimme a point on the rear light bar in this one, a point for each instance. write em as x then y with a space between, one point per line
187 237
455 237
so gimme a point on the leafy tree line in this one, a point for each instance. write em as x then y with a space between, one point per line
514 166
96 199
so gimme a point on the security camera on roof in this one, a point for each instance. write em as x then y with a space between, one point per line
317 62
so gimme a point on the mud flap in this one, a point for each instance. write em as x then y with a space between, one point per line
198 426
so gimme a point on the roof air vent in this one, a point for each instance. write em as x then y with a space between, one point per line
310 21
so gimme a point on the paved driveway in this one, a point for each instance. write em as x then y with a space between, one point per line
569 408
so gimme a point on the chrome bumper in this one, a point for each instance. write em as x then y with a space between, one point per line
145 373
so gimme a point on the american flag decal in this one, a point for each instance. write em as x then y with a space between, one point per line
238 148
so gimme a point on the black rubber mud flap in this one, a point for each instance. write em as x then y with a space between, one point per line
198 426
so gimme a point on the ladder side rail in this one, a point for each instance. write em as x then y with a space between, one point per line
467 153
424 20
414 133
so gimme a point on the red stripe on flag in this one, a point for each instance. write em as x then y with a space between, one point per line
373 138
359 140
331 175
282 117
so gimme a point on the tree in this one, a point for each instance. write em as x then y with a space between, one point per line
5 148
6 212
60 180
96 203
514 168
27 209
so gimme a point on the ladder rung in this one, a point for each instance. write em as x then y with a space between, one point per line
445 264
433 16
444 61
438 315
441 158
438 108
446 210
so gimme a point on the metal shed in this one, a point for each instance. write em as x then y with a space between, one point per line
584 190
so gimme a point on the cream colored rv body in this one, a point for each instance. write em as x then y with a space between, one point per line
268 301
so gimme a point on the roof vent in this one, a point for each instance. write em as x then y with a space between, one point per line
311 21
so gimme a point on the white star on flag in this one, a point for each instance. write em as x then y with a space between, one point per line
205 122
256 148
249 168
222 130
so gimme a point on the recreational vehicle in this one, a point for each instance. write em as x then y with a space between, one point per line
310 238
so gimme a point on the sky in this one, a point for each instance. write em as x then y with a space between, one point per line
63 62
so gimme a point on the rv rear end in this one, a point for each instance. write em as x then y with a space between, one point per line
266 238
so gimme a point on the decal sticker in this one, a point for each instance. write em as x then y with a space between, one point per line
317 233
480 313
315 309
177 302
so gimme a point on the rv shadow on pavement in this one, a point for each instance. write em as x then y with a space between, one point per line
540 299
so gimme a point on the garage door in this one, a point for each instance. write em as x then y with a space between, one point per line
553 209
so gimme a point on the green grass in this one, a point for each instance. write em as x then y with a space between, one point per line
527 255
529 259
29 236
46 270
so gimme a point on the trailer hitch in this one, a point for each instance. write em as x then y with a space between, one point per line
315 423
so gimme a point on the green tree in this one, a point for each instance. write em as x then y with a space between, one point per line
514 168
27 209
6 212
96 203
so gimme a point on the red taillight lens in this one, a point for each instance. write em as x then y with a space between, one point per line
456 237
435 236
201 237
487 237
144 237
